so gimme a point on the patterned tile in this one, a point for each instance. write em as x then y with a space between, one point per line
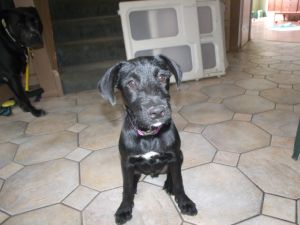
7 153
284 142
38 186
236 75
266 60
51 123
218 191
226 158
11 130
197 85
53 215
96 113
260 70
264 220
284 107
76 128
194 128
80 197
152 207
285 57
222 90
101 170
10 169
206 113
236 136
89 97
56 104
17 116
181 98
102 135
196 150
279 207
46 147
252 92
279 123
179 121
78 154
248 104
284 78
255 84
288 86
273 170
282 95
242 117
285 66
3 217
296 87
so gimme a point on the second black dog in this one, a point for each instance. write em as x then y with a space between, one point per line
20 28
149 142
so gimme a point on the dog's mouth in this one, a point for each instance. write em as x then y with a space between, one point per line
152 129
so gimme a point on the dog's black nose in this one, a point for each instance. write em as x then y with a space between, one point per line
156 112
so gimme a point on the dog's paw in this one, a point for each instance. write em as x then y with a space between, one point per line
187 206
123 214
38 112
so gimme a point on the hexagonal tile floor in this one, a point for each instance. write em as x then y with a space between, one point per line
7 152
45 148
223 90
282 95
38 186
248 104
53 215
279 123
284 78
209 194
237 134
255 84
273 170
150 199
206 113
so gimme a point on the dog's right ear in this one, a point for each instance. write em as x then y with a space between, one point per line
108 82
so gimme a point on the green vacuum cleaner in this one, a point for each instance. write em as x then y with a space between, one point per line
6 108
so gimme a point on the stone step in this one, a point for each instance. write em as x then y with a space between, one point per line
85 76
72 9
89 51
87 28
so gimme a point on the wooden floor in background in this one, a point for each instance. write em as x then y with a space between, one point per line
260 30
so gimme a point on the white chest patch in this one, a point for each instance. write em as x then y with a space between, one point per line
148 155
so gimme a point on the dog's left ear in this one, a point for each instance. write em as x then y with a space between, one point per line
108 82
173 67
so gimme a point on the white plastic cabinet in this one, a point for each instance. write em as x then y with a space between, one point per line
191 32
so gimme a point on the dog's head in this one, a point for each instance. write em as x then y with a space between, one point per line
23 25
144 84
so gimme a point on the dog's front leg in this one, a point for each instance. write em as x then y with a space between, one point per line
124 212
16 86
186 205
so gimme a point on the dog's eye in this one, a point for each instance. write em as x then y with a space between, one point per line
131 84
162 78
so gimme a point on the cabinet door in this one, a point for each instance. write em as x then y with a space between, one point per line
278 4
289 5
187 31
271 5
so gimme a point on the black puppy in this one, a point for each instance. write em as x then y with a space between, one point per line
149 142
20 28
